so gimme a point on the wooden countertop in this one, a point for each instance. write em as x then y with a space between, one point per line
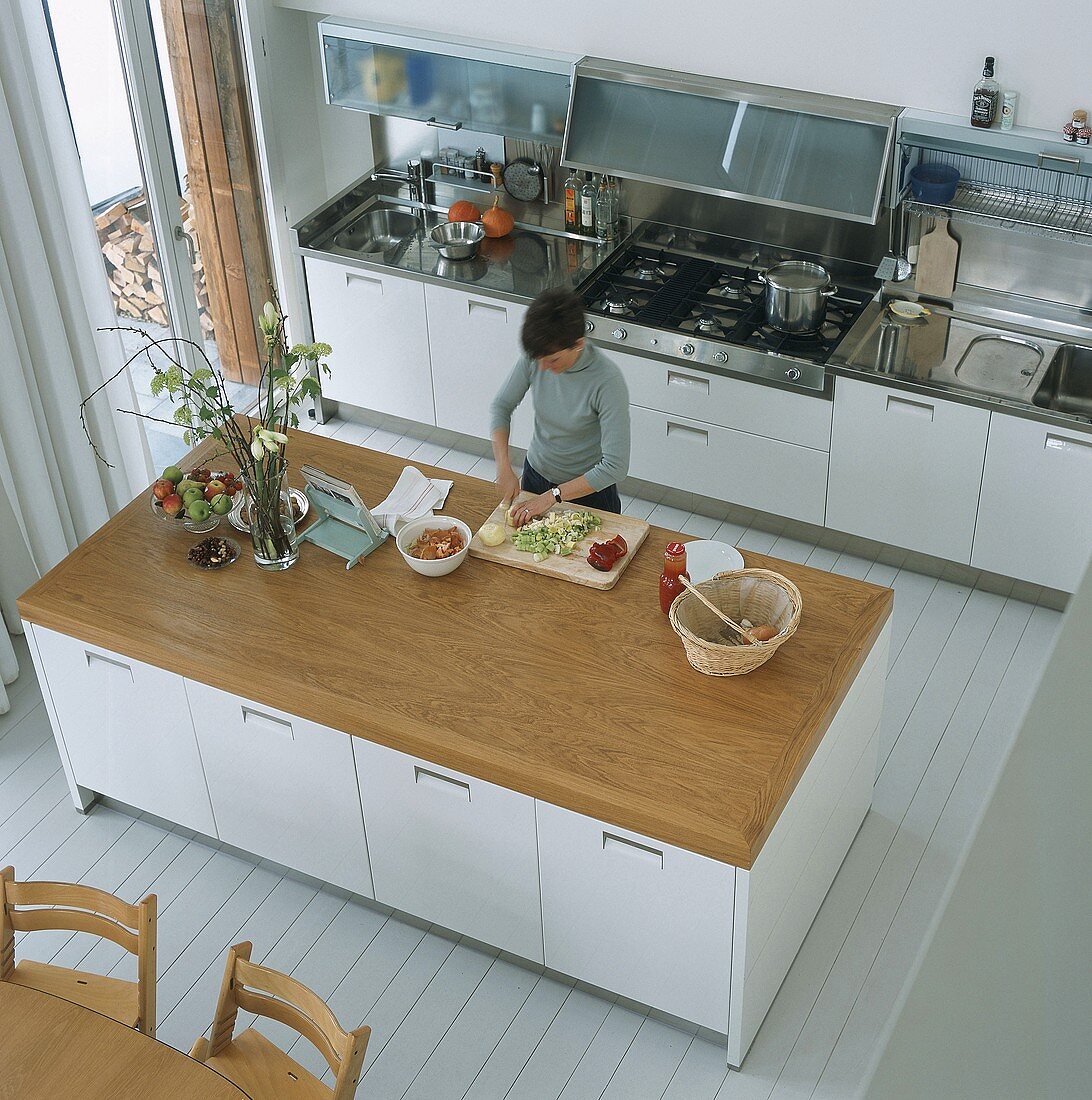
581 698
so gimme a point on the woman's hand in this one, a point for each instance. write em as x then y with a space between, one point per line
507 484
532 508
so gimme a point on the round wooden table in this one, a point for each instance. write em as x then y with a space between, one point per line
51 1049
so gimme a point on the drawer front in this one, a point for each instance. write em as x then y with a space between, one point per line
1035 514
127 729
637 917
474 341
729 402
906 468
719 462
282 787
451 848
375 323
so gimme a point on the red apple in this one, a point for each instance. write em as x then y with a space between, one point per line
214 489
162 489
172 504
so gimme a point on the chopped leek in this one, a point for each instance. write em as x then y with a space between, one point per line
555 533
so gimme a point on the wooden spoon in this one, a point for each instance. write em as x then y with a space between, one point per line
746 635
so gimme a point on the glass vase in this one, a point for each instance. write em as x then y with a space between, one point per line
272 526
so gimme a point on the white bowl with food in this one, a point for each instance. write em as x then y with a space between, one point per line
434 546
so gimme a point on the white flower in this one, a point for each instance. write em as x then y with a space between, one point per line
256 448
268 319
270 445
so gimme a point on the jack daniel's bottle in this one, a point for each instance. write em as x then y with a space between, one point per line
984 101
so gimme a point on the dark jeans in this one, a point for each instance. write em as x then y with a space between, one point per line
606 499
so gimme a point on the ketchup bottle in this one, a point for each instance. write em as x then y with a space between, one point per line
671 578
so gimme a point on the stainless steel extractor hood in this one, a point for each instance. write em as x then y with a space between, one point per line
799 150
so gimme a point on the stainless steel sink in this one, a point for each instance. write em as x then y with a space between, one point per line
997 362
1067 384
382 229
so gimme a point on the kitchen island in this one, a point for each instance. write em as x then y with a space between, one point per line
522 760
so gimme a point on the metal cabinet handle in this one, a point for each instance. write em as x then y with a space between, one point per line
486 307
445 782
370 280
685 430
916 408
1067 443
92 657
674 378
443 125
611 841
267 722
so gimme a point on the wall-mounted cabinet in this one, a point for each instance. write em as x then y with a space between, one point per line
452 83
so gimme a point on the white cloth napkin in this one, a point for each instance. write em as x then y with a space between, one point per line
412 497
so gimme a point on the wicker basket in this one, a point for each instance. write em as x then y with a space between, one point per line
759 595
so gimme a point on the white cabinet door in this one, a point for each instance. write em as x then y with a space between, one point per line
730 465
1035 515
771 411
127 729
282 787
637 917
474 342
905 468
452 849
375 323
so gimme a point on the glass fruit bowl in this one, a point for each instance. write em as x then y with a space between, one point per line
198 527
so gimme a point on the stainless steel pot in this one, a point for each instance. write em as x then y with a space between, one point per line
457 240
796 295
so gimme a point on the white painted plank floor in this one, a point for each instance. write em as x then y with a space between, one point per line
451 1020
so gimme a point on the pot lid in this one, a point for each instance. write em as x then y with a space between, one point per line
798 275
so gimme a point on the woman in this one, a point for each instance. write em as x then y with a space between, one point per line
580 445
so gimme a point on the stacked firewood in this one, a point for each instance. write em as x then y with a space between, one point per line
132 267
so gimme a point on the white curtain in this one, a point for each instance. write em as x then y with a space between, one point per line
53 299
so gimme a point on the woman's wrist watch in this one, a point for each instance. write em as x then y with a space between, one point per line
556 494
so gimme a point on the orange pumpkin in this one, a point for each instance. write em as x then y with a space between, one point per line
463 211
497 221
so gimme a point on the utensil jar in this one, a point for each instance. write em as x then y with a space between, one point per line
796 296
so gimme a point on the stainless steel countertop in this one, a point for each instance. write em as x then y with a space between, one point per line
926 356
517 267
986 350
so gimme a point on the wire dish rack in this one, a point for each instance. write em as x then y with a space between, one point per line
1039 201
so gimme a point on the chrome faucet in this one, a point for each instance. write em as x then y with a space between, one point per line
414 177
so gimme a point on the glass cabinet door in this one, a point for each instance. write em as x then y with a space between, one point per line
768 152
520 103
386 80
478 88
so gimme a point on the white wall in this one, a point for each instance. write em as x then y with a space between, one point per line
924 54
999 1006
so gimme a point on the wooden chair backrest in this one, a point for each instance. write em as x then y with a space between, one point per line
73 908
265 992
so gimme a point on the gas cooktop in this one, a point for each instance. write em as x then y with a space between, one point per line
685 305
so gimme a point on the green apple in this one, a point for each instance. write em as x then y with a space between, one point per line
221 504
172 473
198 510
192 494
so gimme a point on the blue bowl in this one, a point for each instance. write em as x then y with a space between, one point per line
933 183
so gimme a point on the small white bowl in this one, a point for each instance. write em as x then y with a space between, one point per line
409 533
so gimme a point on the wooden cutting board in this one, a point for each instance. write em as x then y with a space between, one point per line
938 257
575 567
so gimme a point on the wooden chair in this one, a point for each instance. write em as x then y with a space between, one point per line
252 1062
68 907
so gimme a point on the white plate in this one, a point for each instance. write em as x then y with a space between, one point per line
706 558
